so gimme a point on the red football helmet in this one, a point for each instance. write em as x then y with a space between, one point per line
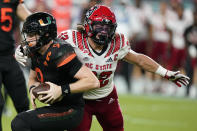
100 24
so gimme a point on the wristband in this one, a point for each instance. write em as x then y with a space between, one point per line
32 86
161 71
65 89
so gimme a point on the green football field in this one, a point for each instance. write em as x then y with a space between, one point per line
147 113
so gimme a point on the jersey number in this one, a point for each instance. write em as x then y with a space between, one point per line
6 17
103 77
39 75
63 36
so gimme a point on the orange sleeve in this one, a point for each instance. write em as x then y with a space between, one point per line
66 60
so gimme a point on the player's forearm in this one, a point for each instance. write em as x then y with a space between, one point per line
86 81
147 63
33 82
142 61
22 12
84 85
32 79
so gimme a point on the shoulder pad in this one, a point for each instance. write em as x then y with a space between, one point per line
68 36
16 1
62 50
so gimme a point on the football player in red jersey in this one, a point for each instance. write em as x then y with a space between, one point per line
53 61
100 48
11 76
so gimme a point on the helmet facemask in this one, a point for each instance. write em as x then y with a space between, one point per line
102 32
28 46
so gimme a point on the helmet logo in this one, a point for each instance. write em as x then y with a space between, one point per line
106 21
90 12
44 24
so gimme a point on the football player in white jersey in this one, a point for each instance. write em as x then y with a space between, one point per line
178 50
100 48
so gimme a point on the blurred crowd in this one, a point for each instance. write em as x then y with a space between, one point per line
165 30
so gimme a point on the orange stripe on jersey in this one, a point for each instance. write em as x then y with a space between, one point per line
51 115
117 45
68 59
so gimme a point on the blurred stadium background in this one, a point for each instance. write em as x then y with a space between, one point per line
148 102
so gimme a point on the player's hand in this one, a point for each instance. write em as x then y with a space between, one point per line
177 78
20 57
51 95
33 98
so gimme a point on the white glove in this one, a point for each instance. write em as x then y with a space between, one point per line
176 77
20 57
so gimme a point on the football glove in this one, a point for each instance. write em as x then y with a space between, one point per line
20 57
177 78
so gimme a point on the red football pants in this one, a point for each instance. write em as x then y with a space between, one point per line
107 112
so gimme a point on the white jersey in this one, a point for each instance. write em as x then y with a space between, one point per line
159 30
103 64
139 17
178 27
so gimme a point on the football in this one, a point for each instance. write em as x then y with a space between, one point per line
39 88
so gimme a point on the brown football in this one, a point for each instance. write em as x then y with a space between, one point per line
39 88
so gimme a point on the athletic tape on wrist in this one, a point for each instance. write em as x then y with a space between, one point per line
161 71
